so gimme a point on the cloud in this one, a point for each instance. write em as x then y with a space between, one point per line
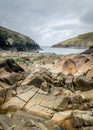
47 21
87 17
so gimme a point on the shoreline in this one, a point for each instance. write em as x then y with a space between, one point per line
74 47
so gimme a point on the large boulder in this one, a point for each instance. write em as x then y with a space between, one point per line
10 71
90 74
69 67
10 65
80 60
83 63
41 79
82 83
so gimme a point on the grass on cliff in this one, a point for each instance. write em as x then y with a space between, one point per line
81 40
13 36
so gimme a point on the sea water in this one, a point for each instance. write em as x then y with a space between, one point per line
63 51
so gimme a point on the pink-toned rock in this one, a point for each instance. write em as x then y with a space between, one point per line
86 67
80 60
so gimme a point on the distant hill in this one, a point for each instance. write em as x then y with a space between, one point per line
81 41
11 40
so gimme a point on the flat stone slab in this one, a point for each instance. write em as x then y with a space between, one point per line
36 100
14 102
41 111
48 101
27 95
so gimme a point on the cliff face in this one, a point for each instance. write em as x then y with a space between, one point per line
89 50
10 40
81 41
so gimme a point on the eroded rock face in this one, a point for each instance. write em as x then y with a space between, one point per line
82 83
89 50
25 121
74 120
80 60
82 119
10 66
41 79
45 100
90 74
69 67
10 72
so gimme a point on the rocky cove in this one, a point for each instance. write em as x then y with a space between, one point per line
46 91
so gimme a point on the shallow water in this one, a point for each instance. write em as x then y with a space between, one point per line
64 51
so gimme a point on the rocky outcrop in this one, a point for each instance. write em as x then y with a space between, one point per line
10 40
81 41
45 98
89 50
10 74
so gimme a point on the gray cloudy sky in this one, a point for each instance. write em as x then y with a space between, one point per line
47 21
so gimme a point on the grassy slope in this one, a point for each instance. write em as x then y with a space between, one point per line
12 38
83 40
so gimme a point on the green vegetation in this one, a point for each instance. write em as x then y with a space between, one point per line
83 40
10 39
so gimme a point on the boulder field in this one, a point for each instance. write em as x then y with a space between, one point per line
46 91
